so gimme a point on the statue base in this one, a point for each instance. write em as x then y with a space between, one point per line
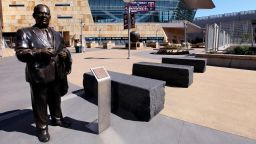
108 45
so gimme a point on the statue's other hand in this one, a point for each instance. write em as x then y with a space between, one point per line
24 55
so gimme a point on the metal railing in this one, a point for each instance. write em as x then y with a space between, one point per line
226 15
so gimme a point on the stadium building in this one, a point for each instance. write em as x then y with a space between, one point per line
101 20
238 24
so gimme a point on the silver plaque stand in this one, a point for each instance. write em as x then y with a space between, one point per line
104 100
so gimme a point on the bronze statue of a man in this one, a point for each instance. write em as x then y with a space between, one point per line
48 62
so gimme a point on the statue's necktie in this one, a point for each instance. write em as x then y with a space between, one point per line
49 36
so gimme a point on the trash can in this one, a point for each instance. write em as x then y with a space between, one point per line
78 49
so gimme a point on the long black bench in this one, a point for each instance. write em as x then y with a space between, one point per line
198 63
174 75
132 97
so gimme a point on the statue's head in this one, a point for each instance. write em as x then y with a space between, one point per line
42 15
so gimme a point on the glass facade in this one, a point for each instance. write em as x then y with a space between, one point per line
109 11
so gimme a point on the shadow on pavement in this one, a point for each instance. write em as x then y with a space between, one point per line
88 98
23 123
20 123
102 58
124 114
79 125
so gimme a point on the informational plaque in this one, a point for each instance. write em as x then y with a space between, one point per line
100 73
104 100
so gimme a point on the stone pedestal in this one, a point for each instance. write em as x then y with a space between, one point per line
174 75
108 45
198 63
92 44
132 97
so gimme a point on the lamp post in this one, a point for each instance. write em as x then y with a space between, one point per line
100 36
62 28
185 33
129 27
157 41
81 37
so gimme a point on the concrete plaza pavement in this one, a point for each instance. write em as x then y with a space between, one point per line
219 107
221 98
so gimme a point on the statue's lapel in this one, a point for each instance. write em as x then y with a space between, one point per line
56 39
41 37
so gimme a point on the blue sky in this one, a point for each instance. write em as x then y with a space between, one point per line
228 6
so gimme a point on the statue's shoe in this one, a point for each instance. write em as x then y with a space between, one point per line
43 135
61 123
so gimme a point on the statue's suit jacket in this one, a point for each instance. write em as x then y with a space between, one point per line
41 70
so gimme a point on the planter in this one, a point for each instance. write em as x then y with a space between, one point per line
78 49
230 61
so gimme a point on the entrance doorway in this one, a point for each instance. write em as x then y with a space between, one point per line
66 38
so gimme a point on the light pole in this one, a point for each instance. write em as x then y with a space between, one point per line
62 28
81 37
100 36
129 26
157 42
185 33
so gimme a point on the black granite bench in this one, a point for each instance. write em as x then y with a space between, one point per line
198 63
174 75
132 97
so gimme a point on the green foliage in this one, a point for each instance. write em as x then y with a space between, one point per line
246 37
241 50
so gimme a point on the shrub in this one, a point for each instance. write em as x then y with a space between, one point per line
241 50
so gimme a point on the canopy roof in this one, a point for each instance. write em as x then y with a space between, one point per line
199 4
191 28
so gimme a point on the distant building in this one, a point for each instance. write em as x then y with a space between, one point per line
238 24
165 11
102 20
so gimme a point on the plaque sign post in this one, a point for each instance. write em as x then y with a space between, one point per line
104 100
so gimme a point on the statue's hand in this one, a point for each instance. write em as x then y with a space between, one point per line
47 52
62 54
52 51
43 54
